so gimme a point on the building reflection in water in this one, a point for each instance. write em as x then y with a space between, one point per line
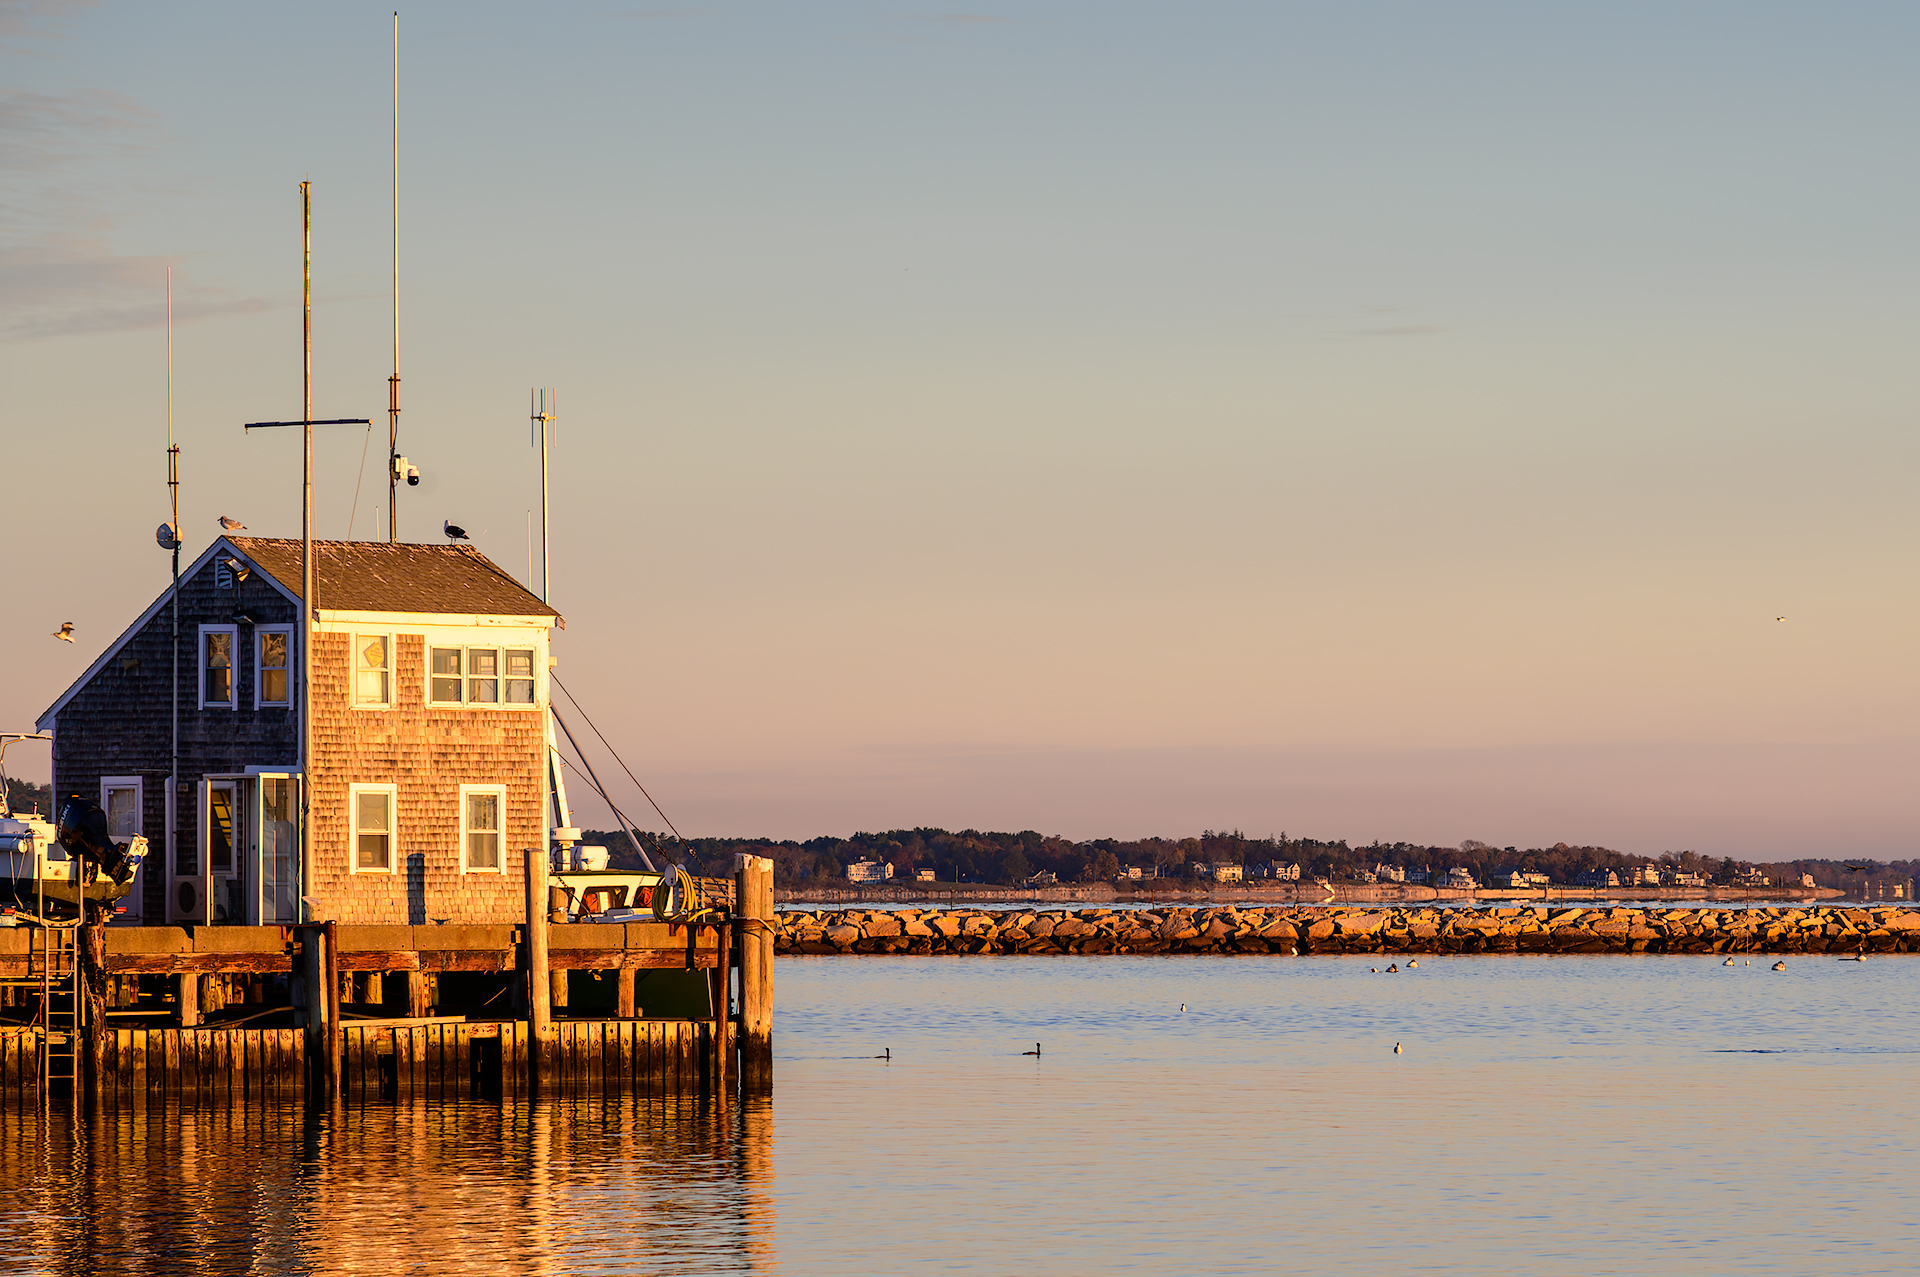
573 1185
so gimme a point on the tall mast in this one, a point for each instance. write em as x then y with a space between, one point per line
393 382
544 413
306 546
173 491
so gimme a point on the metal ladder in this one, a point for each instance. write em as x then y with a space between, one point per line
56 956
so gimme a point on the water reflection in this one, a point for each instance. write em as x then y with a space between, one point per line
624 1184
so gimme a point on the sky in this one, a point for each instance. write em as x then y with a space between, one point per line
1369 421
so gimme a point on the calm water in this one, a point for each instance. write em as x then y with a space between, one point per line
1547 1114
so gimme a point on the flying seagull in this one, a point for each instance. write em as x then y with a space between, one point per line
65 632
455 532
231 525
1779 618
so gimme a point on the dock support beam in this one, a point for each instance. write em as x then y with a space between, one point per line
539 989
753 906
316 974
91 955
186 996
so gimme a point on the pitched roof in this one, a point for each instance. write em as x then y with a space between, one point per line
381 576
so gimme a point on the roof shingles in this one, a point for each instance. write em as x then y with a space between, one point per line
381 576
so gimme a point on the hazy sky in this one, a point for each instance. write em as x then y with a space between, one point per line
1374 420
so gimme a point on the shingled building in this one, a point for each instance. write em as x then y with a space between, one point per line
431 750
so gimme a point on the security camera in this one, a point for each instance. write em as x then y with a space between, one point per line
413 476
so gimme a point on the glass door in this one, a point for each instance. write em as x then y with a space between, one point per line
276 850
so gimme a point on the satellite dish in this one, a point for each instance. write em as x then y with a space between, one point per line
168 536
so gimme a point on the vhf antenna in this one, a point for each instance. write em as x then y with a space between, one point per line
544 408
394 466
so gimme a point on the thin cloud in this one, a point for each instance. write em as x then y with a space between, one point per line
1401 330
964 17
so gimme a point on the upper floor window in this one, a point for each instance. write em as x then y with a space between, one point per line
481 676
373 669
216 666
272 652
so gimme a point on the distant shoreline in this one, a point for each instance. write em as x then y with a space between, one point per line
1176 892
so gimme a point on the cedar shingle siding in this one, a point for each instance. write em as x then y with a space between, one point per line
115 721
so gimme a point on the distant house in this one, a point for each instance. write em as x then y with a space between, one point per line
1751 877
1520 878
1459 878
433 761
1418 876
869 871
1130 871
1389 873
1599 878
923 875
1279 870
1641 876
1219 871
1043 878
1678 878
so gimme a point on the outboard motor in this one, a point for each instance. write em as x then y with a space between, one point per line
83 832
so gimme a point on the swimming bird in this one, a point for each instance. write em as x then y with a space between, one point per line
65 632
1858 957
1396 1048
455 532
1393 969
1183 1006
1373 970
1412 963
1035 1051
885 1055
1727 963
1779 966
231 525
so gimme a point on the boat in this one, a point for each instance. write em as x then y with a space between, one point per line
47 869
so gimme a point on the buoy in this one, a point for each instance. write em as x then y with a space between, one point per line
1396 1048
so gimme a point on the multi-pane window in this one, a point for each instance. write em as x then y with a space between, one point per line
272 686
371 807
373 669
481 676
482 817
216 666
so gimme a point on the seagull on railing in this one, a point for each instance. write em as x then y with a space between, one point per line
65 632
231 525
455 532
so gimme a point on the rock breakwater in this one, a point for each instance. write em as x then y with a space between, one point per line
1287 930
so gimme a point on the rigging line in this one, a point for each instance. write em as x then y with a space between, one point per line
616 754
631 832
619 815
357 481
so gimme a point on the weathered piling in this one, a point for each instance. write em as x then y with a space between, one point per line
539 990
753 908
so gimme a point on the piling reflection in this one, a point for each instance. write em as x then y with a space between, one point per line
570 1185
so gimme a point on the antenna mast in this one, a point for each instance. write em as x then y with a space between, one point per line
173 491
306 550
393 382
545 411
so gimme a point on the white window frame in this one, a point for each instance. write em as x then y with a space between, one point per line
354 638
392 831
134 900
233 670
259 670
467 676
500 853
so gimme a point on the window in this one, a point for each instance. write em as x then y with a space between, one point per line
123 797
216 665
481 676
483 810
373 669
272 663
370 808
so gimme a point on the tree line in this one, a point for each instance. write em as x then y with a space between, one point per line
972 855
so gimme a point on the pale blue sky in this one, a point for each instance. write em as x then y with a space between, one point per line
1367 420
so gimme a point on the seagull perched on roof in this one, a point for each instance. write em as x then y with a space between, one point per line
1779 618
231 525
455 532
65 632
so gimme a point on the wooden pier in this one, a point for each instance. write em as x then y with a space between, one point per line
363 1013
